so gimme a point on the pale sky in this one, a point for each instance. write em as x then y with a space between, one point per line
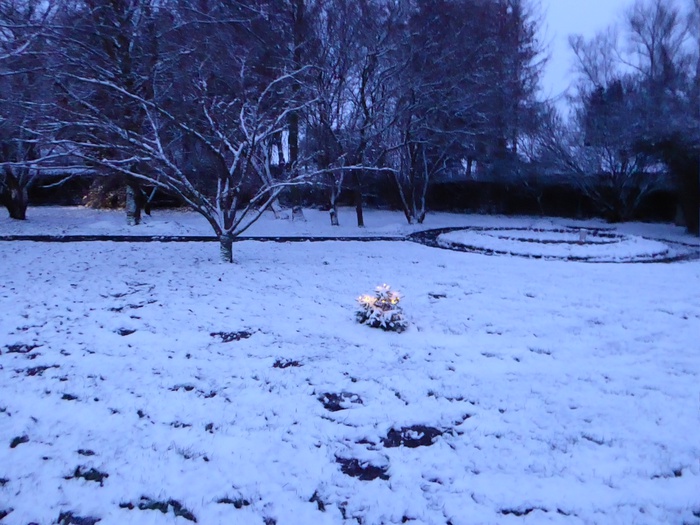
564 17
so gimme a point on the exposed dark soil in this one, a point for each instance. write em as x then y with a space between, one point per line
412 437
364 472
336 402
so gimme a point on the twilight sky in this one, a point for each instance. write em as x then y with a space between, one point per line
564 17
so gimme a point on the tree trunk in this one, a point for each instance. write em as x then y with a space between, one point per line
686 167
148 201
358 201
276 209
133 205
226 247
691 197
679 219
402 195
15 198
298 13
334 201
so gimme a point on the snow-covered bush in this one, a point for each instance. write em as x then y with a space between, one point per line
382 310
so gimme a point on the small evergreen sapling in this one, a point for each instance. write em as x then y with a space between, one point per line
382 310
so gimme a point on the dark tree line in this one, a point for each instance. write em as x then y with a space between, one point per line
230 104
636 111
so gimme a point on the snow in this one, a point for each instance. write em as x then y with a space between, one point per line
573 244
565 392
53 220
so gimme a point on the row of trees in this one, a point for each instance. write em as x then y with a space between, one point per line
228 103
635 111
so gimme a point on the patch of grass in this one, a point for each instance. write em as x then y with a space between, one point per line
68 518
89 475
518 512
286 363
163 506
186 388
227 337
592 439
318 501
18 441
36 370
20 348
675 473
238 503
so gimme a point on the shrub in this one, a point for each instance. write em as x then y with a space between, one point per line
382 310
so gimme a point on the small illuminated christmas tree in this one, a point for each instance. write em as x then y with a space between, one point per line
382 310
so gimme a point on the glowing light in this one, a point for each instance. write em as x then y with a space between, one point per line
382 310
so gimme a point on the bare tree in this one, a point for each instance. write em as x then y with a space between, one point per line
664 50
633 111
115 42
597 152
443 54
204 128
351 57
23 99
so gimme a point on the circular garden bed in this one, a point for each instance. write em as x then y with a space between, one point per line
571 244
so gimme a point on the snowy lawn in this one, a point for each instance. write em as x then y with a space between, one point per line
56 220
151 384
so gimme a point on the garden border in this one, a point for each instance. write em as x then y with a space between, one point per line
424 237
429 238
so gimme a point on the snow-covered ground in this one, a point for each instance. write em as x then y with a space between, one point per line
560 243
554 392
54 220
